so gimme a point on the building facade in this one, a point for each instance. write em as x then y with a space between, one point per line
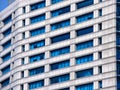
60 45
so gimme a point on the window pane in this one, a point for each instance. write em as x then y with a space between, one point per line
84 73
37 19
37 57
56 1
60 11
118 24
37 44
60 38
36 71
36 84
84 45
84 17
118 9
59 79
37 5
84 59
37 31
7 44
85 87
118 83
5 82
60 51
7 32
60 25
6 69
60 65
118 53
7 20
84 4
84 31
6 57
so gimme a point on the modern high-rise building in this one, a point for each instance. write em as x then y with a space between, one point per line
60 45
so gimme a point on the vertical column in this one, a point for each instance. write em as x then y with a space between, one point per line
72 88
72 77
26 86
26 60
47 41
27 20
26 73
48 2
96 1
96 86
46 81
26 47
72 46
27 8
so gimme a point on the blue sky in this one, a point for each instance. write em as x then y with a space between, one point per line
3 4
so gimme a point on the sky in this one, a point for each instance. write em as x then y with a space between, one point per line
3 4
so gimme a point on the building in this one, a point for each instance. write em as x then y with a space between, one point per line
60 45
11 1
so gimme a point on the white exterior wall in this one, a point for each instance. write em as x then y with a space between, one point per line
108 45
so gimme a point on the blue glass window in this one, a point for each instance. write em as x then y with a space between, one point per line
118 53
7 20
55 1
60 38
118 24
37 19
36 71
84 59
118 39
84 73
118 83
60 25
60 65
37 44
84 45
37 31
118 68
24 10
6 57
84 4
60 11
36 84
84 17
84 31
7 44
5 82
100 12
37 5
100 84
6 69
118 9
37 57
7 32
88 86
60 51
65 89
59 79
